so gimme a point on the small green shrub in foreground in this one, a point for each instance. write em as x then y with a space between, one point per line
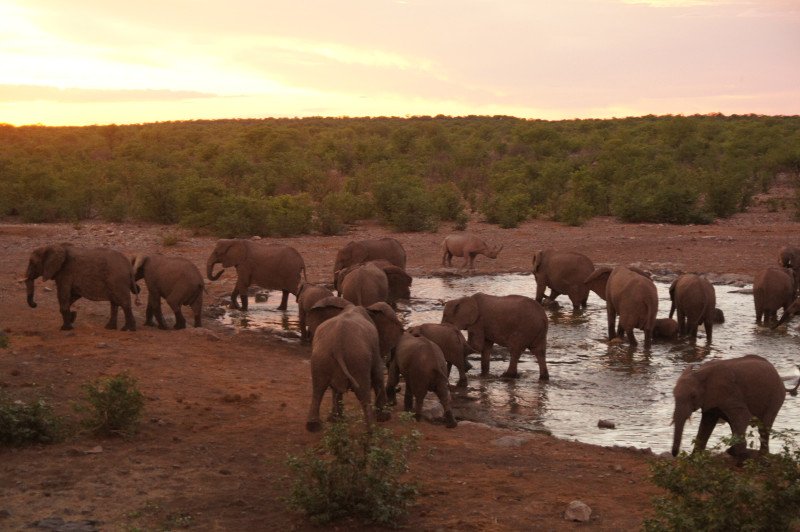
114 405
354 473
707 492
24 423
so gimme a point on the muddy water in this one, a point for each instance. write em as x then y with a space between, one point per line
590 379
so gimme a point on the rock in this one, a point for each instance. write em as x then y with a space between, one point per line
511 441
94 450
101 345
578 511
606 424
666 455
432 409
261 297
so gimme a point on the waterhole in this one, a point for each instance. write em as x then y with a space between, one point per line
590 379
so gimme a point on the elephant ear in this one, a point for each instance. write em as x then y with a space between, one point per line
389 327
233 252
468 310
359 253
331 302
399 282
597 281
537 261
54 257
139 262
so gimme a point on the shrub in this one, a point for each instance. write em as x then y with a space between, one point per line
658 200
24 423
507 209
705 492
354 473
114 405
405 204
447 203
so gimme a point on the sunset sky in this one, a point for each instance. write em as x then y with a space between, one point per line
81 62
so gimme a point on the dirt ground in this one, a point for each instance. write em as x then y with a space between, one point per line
224 408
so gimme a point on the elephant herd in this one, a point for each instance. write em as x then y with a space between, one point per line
356 336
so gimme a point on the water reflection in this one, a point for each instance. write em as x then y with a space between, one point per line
591 378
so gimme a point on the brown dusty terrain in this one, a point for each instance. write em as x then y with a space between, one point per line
224 409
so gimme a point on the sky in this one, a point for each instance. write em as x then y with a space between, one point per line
81 62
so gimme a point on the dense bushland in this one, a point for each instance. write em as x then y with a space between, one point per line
291 176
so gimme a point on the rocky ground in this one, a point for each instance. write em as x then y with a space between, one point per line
225 408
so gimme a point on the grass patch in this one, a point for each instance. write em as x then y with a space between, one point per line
112 406
24 423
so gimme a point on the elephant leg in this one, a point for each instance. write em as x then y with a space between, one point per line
363 395
486 355
154 303
681 323
313 423
130 321
553 294
234 297
284 300
648 338
241 290
148 316
180 321
708 421
611 315
739 421
540 353
67 320
391 383
419 400
708 325
197 310
376 378
337 405
112 319
446 258
443 393
763 436
540 289
462 375
511 372
631 336
408 398
759 315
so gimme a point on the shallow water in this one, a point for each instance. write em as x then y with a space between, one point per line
589 379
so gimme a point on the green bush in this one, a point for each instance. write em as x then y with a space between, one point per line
112 405
25 423
507 209
707 492
447 202
658 200
405 204
354 473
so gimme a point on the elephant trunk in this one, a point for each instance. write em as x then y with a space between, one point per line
212 261
679 420
29 287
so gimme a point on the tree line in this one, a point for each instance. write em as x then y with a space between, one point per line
282 177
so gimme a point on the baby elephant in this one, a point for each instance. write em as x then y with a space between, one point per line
665 329
422 364
177 280
452 343
307 296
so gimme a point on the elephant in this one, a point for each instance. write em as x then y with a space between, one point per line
271 266
719 316
323 310
346 353
422 364
665 329
735 390
790 258
773 288
452 343
468 246
564 272
177 280
633 296
307 296
695 300
98 274
366 282
516 322
371 249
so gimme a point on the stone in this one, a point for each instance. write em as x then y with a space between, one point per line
511 441
432 409
578 511
606 424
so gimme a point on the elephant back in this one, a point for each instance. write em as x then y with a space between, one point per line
275 266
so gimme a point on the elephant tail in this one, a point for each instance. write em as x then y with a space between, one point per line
197 293
343 366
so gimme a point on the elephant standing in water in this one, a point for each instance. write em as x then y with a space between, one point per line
271 266
451 342
695 300
307 296
177 280
373 281
516 322
354 253
773 288
790 258
735 390
468 246
98 274
564 272
632 295
348 352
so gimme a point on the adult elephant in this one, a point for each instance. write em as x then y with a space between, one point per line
360 251
270 266
564 272
695 300
98 274
424 369
468 246
515 322
323 310
177 280
346 354
376 280
308 295
773 288
452 343
735 390
790 258
631 295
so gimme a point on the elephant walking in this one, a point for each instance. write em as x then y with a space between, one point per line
735 390
372 281
564 272
346 354
271 266
773 288
516 322
177 280
468 246
353 253
307 296
422 364
452 343
695 300
631 295
98 274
